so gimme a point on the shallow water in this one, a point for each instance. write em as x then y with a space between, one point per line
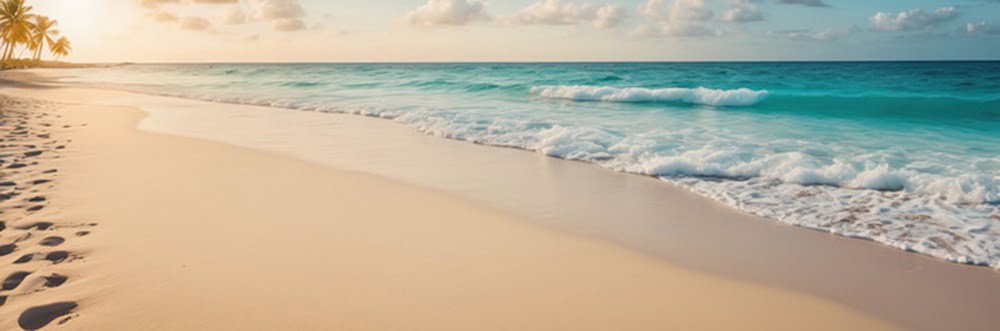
907 154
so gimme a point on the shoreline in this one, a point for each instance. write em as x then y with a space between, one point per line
894 206
186 244
658 219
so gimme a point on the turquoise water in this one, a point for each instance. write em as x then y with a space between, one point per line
906 153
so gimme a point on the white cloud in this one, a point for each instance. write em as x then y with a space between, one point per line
676 30
283 15
556 12
447 12
828 34
276 9
609 17
678 10
235 15
288 24
810 3
194 23
690 10
742 11
914 19
155 3
982 28
692 18
654 10
162 16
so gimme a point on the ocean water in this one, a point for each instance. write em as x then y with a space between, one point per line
903 153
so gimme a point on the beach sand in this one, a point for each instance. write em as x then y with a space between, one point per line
168 232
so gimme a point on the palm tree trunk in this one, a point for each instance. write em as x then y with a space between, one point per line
3 59
6 54
9 56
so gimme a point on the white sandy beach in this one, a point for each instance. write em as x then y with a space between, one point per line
214 216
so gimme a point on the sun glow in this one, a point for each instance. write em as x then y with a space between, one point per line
93 27
76 18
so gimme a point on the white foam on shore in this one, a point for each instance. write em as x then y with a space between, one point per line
699 96
949 218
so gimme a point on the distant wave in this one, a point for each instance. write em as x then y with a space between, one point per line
699 96
302 84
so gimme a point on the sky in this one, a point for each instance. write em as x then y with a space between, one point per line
524 30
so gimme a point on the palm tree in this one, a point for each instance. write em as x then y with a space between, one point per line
61 48
43 35
15 19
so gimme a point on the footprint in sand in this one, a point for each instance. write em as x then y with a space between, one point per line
25 258
7 249
54 280
35 318
57 256
41 226
52 241
14 280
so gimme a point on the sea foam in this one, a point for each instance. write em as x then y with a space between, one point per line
699 96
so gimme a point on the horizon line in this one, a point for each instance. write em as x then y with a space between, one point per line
542 62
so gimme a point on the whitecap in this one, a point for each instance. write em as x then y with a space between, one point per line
699 96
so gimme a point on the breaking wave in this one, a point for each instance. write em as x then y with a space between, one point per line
698 96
